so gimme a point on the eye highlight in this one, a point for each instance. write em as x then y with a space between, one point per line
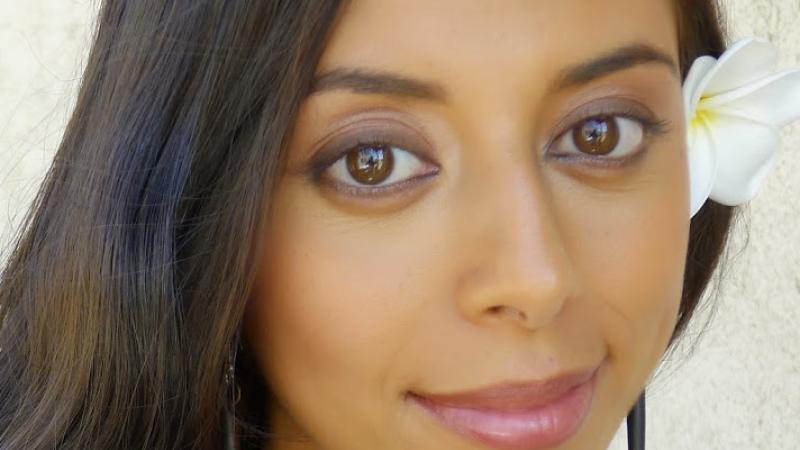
607 136
611 135
371 168
370 163
374 158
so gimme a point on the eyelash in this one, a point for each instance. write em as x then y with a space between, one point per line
651 127
326 159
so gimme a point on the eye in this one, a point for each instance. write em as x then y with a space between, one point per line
375 168
604 137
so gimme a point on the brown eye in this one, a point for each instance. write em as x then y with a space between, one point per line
370 163
376 167
603 138
596 135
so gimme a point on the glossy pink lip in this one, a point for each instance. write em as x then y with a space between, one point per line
516 415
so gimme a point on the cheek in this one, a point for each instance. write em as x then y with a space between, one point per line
630 249
640 266
332 305
328 297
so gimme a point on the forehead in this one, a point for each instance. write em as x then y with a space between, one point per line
491 40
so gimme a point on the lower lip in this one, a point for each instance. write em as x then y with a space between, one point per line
539 428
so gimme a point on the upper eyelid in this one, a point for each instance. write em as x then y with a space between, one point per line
617 107
336 147
602 106
381 115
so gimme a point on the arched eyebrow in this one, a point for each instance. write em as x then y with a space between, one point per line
371 81
615 60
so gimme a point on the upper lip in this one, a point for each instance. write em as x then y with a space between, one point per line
512 395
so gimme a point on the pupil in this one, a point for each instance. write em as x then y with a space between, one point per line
595 129
596 135
369 157
370 163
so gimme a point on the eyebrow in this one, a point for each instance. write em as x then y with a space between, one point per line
370 81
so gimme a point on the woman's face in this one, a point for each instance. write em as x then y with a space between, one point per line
517 210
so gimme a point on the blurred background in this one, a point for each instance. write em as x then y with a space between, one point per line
733 383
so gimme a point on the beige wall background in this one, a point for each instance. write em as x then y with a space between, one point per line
736 388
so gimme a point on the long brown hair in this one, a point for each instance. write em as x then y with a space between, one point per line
124 291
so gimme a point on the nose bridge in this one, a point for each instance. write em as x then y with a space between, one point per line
524 221
521 272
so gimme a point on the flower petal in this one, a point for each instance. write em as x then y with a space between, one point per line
773 100
743 62
745 151
694 83
702 160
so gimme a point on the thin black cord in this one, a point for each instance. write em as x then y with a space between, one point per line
636 422
229 430
229 420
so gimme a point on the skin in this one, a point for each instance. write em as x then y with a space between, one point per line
507 264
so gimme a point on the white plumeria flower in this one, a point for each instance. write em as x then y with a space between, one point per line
735 107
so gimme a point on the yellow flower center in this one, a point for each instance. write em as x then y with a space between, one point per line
702 115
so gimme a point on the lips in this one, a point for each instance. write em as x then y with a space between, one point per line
516 415
512 396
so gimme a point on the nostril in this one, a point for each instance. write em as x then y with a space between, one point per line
507 310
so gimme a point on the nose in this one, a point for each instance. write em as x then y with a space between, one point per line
519 272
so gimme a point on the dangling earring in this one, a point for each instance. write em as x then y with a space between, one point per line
229 420
636 422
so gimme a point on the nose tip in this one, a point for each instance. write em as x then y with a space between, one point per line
529 300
